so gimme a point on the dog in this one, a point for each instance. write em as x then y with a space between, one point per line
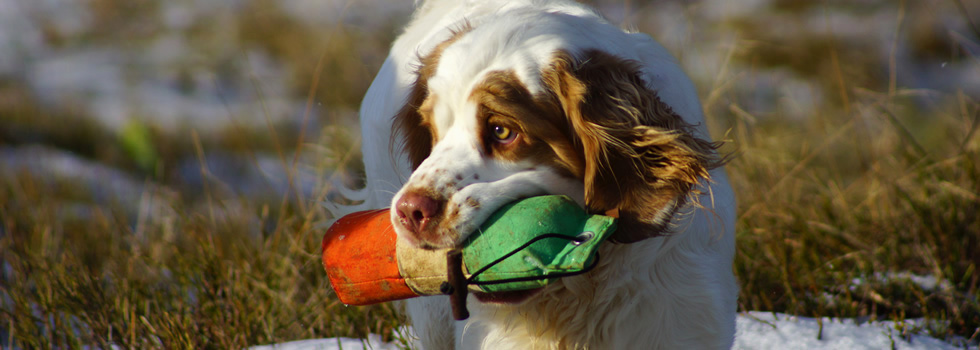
480 103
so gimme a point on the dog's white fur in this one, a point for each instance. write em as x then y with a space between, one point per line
671 292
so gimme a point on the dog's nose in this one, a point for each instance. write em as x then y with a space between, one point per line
416 210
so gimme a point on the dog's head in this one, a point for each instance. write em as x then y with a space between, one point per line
496 117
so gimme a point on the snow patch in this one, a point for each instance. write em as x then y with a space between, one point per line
373 342
765 330
754 330
926 282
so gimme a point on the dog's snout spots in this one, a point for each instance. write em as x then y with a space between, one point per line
472 202
459 177
453 219
448 188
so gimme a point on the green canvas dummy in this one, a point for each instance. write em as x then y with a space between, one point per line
520 222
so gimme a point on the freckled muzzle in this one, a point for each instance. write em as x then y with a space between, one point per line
523 246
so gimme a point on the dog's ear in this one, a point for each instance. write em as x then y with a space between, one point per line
418 134
640 158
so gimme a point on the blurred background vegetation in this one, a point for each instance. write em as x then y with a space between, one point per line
161 162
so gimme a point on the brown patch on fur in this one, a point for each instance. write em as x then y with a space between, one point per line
640 157
543 137
472 203
413 121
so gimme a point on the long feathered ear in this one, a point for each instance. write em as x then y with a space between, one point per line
640 158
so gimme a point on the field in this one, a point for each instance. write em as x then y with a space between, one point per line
162 164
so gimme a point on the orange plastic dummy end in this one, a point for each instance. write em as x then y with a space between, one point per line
357 238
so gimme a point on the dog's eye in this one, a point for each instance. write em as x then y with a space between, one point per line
503 134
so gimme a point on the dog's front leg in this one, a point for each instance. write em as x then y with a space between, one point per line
432 322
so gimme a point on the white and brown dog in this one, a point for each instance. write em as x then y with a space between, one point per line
485 102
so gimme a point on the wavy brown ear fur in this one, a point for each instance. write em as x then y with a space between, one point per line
640 157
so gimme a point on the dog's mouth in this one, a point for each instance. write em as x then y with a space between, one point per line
510 297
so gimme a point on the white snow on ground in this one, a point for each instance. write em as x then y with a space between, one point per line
765 330
926 282
169 81
755 330
372 342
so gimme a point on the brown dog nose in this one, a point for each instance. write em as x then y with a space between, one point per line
416 210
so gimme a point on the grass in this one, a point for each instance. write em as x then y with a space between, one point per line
875 182
826 205
192 280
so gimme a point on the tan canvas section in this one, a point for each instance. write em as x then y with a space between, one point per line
423 270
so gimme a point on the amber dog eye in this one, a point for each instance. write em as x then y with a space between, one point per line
503 134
